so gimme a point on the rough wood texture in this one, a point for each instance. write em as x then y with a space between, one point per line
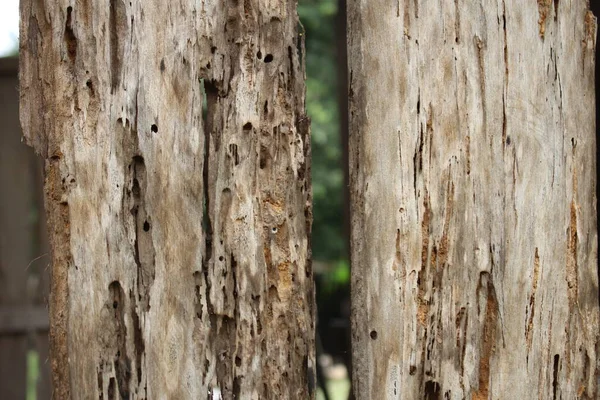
180 245
473 199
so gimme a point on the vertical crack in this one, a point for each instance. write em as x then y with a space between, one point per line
69 36
555 376
488 338
531 308
122 363
481 45
138 339
211 92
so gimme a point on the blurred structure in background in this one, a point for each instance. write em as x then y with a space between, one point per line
24 369
24 262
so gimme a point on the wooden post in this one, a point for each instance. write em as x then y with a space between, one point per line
180 242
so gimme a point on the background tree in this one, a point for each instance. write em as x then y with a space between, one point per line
180 248
474 240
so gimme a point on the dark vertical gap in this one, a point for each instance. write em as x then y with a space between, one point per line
111 389
555 376
122 362
138 339
69 36
326 67
208 110
342 66
114 44
118 31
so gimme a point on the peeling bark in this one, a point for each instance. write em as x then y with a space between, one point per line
472 171
180 238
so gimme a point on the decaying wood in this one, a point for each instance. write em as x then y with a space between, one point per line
474 239
180 247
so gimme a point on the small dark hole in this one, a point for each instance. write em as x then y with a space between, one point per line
238 362
268 58
248 126
146 226
373 335
508 140
259 55
221 258
154 128
208 66
89 84
115 304
213 49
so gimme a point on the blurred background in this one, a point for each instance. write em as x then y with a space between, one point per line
24 258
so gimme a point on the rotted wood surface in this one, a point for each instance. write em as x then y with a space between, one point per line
474 239
177 163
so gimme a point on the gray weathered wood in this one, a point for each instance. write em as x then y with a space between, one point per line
180 243
19 239
474 240
22 319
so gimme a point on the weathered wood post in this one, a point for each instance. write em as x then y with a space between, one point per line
474 238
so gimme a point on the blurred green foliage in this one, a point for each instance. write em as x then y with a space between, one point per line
318 18
336 277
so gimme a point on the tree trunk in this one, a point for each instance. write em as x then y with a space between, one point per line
180 243
474 240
